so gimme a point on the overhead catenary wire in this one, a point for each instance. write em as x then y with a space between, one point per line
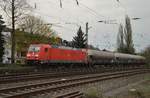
81 22
56 24
96 14
59 18
92 10
50 16
61 2
60 26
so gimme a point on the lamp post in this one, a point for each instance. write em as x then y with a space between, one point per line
87 29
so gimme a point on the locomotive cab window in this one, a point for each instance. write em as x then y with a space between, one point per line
34 48
46 49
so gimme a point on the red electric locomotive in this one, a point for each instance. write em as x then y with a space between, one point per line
51 54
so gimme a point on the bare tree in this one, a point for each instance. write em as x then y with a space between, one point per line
2 40
120 39
15 9
129 46
18 7
36 25
124 39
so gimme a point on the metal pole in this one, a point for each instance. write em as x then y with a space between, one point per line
87 41
87 35
13 34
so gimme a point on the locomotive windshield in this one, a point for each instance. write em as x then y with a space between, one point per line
34 48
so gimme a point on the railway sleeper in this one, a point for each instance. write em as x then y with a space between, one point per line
75 94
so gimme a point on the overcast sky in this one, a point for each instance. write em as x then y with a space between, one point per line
91 11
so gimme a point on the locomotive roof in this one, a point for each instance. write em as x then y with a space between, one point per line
65 47
58 46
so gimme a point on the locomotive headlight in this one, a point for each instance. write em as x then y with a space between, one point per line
28 55
36 55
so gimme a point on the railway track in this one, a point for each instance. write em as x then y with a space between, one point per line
19 78
44 75
37 71
53 86
41 75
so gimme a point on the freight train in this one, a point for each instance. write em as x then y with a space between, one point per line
55 55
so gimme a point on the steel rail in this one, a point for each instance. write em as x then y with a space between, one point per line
40 88
42 75
68 80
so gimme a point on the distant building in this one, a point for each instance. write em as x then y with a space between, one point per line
7 47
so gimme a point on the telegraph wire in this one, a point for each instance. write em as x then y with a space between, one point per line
56 24
81 22
54 17
92 10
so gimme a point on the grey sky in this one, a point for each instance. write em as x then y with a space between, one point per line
101 35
